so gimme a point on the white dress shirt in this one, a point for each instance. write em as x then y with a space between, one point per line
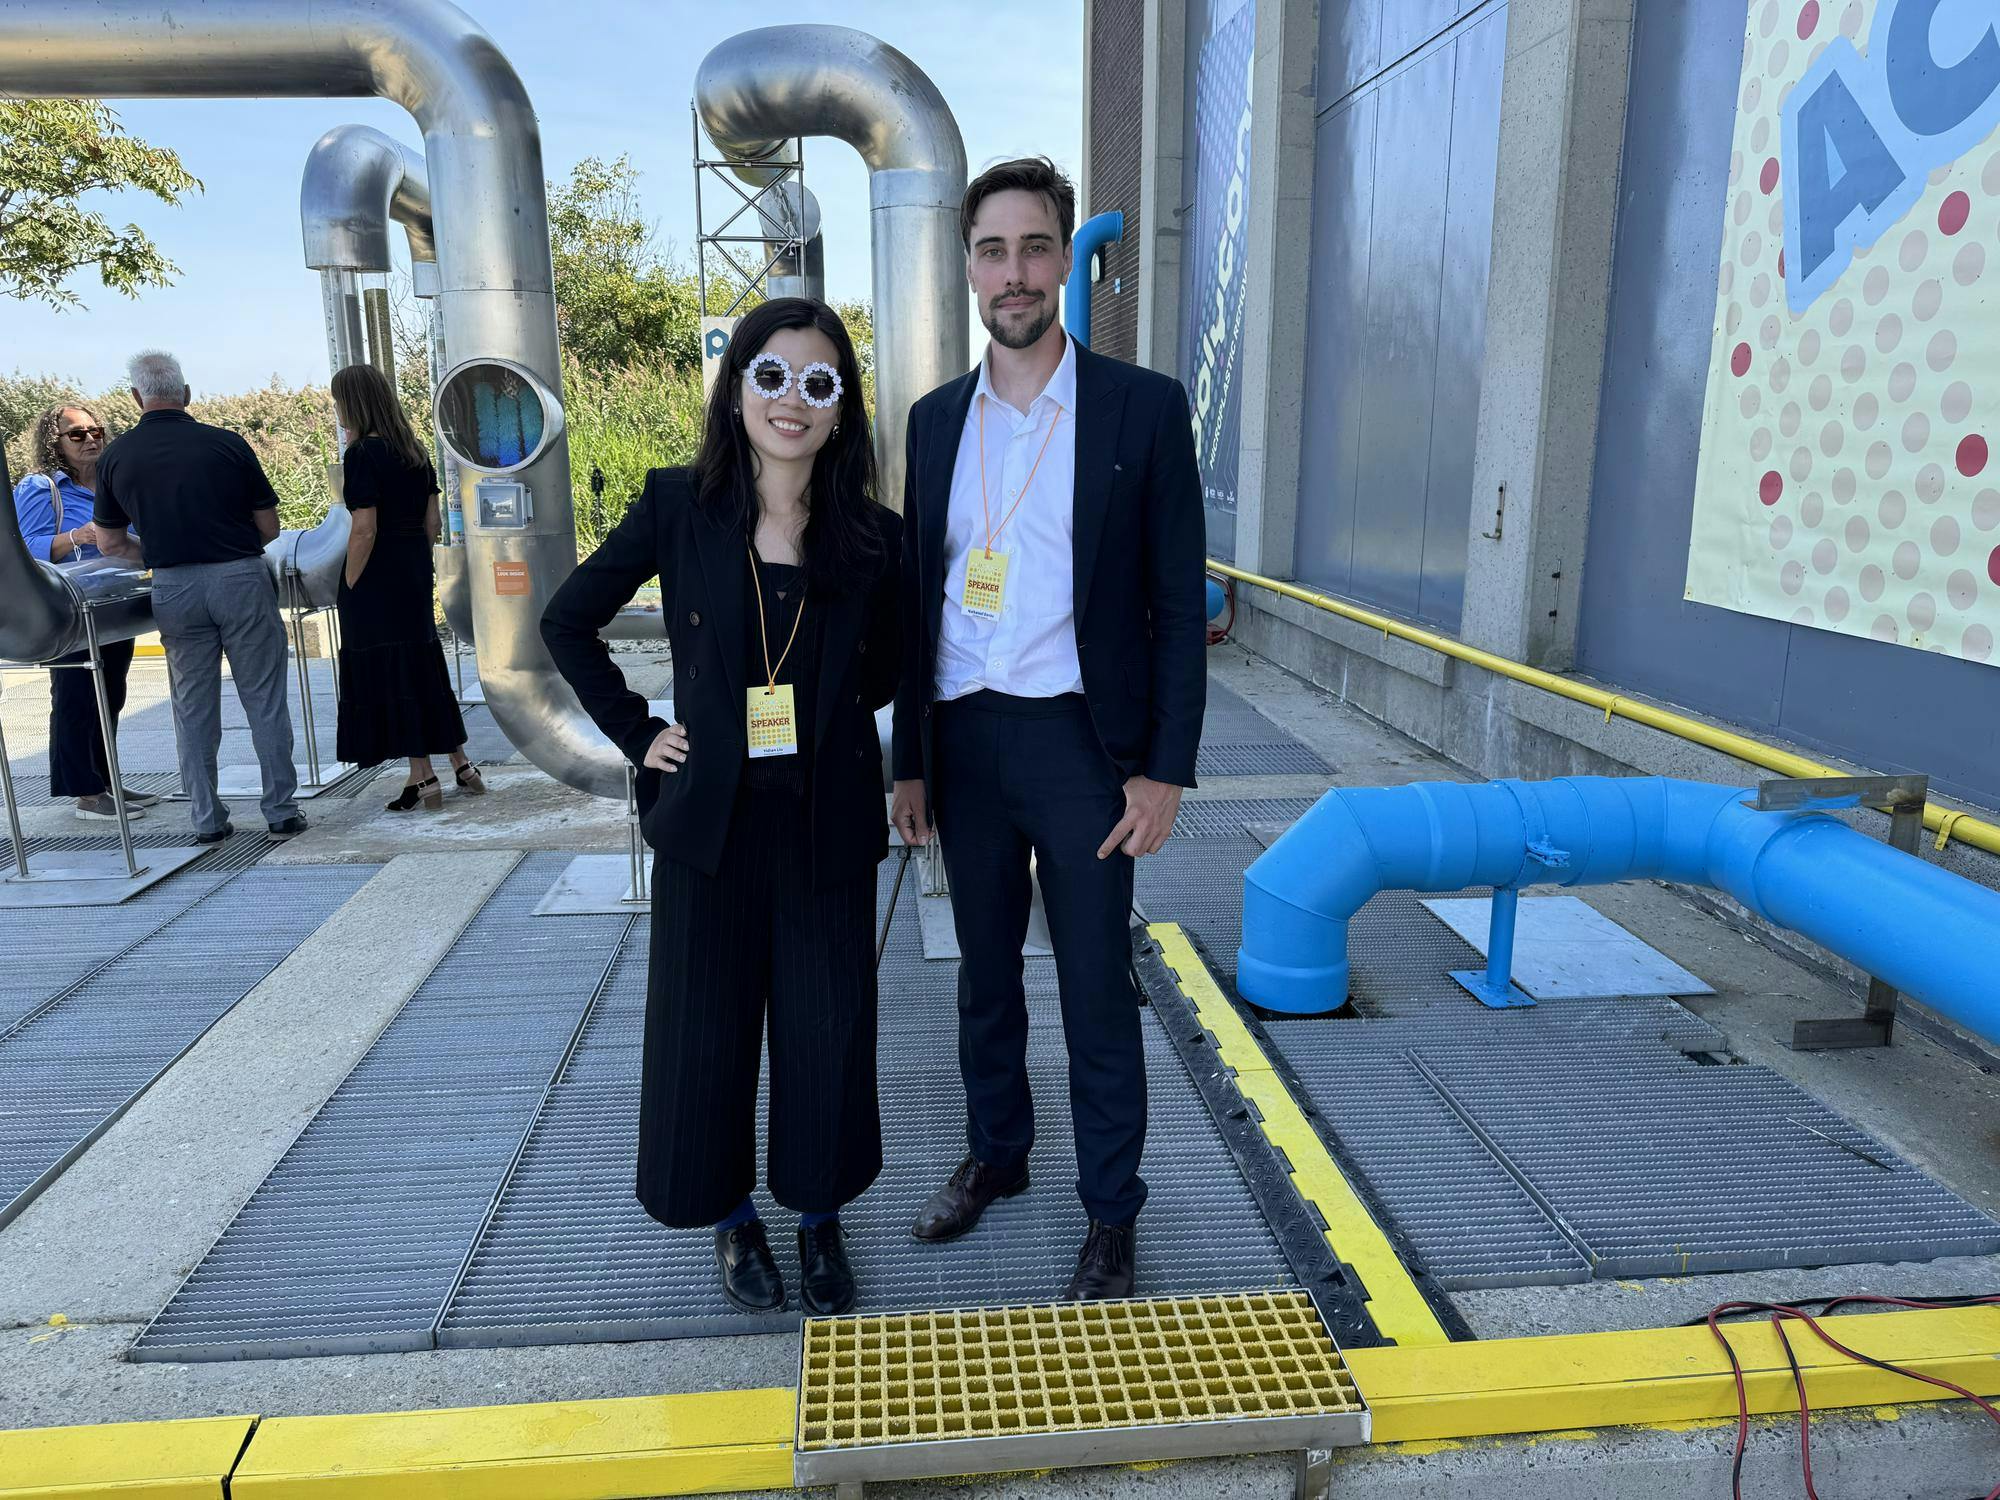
1030 650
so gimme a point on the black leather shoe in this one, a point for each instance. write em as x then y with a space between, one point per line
217 836
956 1207
749 1275
291 828
1104 1268
826 1281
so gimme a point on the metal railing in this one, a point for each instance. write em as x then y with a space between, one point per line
1947 824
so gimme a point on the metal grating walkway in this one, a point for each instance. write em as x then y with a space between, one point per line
1478 1129
1236 740
357 1240
75 1061
240 851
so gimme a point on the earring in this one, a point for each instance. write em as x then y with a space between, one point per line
836 429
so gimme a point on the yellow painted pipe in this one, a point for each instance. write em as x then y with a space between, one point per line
1949 825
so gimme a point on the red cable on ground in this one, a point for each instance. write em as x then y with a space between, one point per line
1780 1312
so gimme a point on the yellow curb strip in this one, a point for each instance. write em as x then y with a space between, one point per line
1666 1375
1394 1300
187 1460
561 1450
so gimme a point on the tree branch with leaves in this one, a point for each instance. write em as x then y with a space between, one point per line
53 152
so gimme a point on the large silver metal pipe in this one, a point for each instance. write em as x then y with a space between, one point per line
483 151
756 89
42 606
357 182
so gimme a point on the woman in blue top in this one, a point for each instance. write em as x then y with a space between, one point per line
54 508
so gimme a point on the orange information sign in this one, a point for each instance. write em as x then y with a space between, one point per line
510 578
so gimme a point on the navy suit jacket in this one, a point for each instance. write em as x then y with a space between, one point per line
1141 596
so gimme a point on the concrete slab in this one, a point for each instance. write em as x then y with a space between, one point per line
90 877
1565 949
113 1237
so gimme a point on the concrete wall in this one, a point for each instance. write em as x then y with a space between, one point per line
1114 39
1887 706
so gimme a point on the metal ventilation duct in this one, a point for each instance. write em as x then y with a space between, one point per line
759 89
483 150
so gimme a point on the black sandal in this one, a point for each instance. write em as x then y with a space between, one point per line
470 781
425 791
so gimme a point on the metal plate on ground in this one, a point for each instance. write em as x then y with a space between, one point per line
1567 949
594 885
992 1389
940 928
92 877
246 783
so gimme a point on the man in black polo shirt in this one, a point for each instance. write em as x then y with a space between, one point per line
204 509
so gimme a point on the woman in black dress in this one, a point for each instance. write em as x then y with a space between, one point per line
778 573
395 696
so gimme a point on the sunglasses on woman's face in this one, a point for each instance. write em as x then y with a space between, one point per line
85 434
771 376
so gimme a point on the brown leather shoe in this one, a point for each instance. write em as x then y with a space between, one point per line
1104 1268
956 1207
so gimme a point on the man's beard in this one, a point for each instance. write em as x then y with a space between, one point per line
1028 333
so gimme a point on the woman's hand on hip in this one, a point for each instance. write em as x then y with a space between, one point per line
669 750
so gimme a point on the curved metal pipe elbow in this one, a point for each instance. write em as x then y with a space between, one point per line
758 90
357 182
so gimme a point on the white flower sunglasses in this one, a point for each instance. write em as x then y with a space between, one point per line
771 376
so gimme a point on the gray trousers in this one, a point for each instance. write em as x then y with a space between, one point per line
205 610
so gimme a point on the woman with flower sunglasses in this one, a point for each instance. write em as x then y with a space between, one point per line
763 801
53 508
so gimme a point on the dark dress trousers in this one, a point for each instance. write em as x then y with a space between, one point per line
1010 776
763 886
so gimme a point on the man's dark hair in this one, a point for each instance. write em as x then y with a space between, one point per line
1031 174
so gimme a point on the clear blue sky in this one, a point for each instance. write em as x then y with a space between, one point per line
606 76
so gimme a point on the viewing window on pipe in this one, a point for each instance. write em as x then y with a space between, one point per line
495 416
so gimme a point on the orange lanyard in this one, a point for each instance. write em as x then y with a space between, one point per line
763 630
985 510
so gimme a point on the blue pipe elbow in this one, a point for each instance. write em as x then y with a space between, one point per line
1091 236
1927 932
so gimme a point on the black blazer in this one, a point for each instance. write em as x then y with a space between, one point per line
1141 596
704 591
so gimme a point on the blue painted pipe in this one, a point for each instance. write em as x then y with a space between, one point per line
1091 236
1929 933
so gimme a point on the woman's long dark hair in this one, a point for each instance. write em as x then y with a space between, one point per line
841 549
370 403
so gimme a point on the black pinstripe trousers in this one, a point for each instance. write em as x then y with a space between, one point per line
753 939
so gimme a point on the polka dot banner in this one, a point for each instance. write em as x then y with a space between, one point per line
1846 479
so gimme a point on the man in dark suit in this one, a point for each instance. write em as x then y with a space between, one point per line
1051 698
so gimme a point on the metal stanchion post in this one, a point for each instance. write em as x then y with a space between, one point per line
110 742
13 809
333 652
294 597
637 891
